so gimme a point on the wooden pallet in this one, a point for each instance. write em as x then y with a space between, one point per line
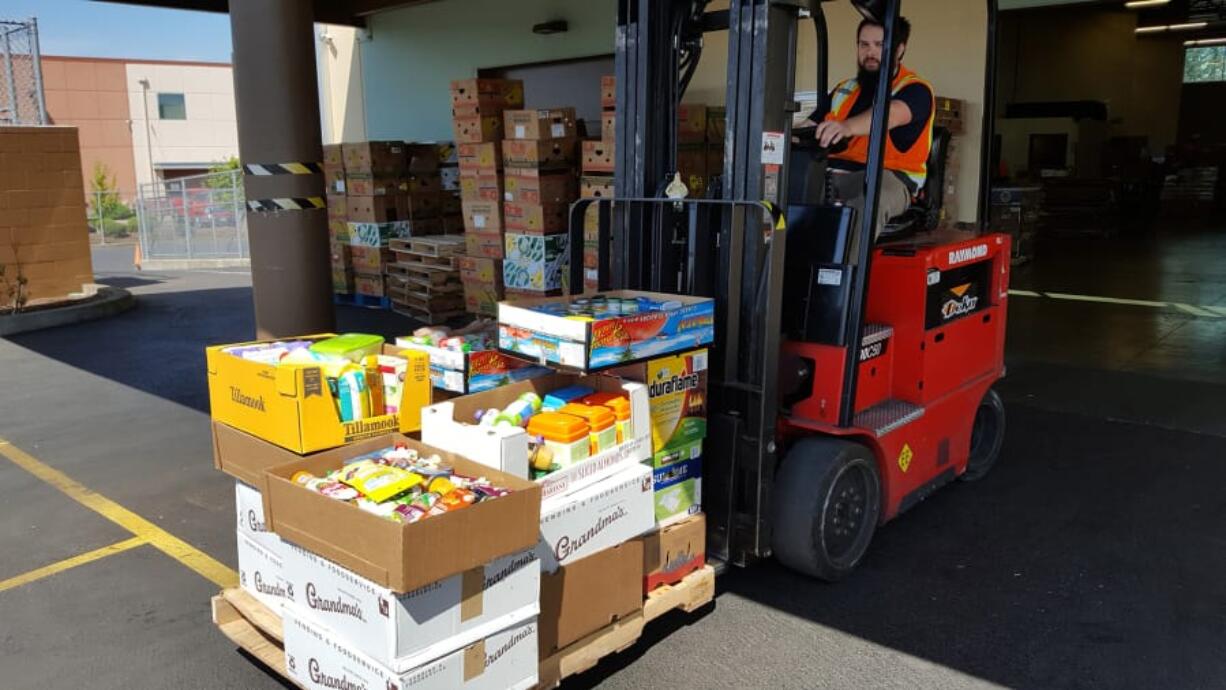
405 256
252 626
438 245
692 593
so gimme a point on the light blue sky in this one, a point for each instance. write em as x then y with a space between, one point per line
104 29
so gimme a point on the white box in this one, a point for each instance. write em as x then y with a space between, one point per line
597 517
249 503
260 572
317 660
402 631
506 448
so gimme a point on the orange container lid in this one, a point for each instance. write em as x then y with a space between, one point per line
555 426
598 417
618 402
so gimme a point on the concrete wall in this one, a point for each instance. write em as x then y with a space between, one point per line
342 101
415 52
209 134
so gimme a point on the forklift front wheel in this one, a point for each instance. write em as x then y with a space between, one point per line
826 503
987 437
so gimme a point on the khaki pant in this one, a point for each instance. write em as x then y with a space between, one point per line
894 199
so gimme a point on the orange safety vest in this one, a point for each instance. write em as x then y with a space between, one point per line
914 161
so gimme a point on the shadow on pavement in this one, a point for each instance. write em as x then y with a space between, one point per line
126 281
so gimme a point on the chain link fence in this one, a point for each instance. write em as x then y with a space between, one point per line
21 74
197 217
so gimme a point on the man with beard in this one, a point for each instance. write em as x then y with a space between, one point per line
912 104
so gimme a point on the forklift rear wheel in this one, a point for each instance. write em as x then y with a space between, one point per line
826 503
987 437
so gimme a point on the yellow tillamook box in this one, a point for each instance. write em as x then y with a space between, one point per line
292 405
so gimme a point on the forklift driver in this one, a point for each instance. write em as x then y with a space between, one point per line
911 114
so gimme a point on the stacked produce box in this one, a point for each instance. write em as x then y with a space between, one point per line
949 115
338 228
477 107
597 179
451 210
539 160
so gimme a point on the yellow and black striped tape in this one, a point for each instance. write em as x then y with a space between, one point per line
282 168
286 204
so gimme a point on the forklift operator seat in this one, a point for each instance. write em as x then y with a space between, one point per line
925 210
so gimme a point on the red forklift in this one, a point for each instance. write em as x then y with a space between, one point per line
849 378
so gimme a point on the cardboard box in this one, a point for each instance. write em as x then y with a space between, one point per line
480 159
482 298
531 186
476 129
292 406
670 553
691 123
249 506
488 245
333 156
451 205
677 483
481 188
583 522
590 594
692 164
338 231
608 341
542 123
539 219
677 397
479 269
340 253
421 158
338 207
473 372
370 184
261 573
390 553
608 92
608 126
449 178
401 631
371 285
497 94
334 181
717 124
422 184
596 187
536 262
374 156
418 205
598 156
342 280
317 660
372 209
377 234
446 425
371 260
482 216
545 154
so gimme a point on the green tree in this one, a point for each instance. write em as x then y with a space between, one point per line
222 178
104 199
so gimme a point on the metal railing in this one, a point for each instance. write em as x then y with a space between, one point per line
21 74
198 217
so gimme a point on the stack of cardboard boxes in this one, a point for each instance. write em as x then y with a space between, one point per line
539 159
451 210
949 115
597 180
477 107
338 225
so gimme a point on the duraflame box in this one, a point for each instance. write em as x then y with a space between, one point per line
598 156
542 123
677 483
316 659
446 425
292 406
535 262
545 154
480 159
482 216
608 126
374 156
493 93
687 323
677 393
580 523
532 186
536 218
482 298
473 372
370 284
670 553
370 184
249 504
691 123
590 594
261 573
371 260
402 631
608 92
489 245
371 209
481 188
476 129
333 156
377 234
391 553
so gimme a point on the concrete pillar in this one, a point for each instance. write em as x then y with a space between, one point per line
277 99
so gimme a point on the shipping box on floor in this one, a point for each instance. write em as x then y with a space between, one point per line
292 405
487 245
317 659
483 298
402 631
400 557
611 511
670 553
446 425
370 284
581 598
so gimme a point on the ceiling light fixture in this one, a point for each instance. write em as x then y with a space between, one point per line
1188 27
1150 29
1206 42
1138 4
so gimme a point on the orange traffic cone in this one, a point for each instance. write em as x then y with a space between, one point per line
136 256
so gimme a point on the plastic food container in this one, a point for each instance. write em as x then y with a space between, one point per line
567 436
601 421
620 405
554 400
354 346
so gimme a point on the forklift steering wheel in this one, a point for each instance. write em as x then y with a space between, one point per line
806 138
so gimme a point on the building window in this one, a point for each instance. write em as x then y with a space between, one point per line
171 106
1204 63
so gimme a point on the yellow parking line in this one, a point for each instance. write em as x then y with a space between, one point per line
188 555
61 566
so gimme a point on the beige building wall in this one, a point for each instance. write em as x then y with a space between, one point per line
207 136
342 101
